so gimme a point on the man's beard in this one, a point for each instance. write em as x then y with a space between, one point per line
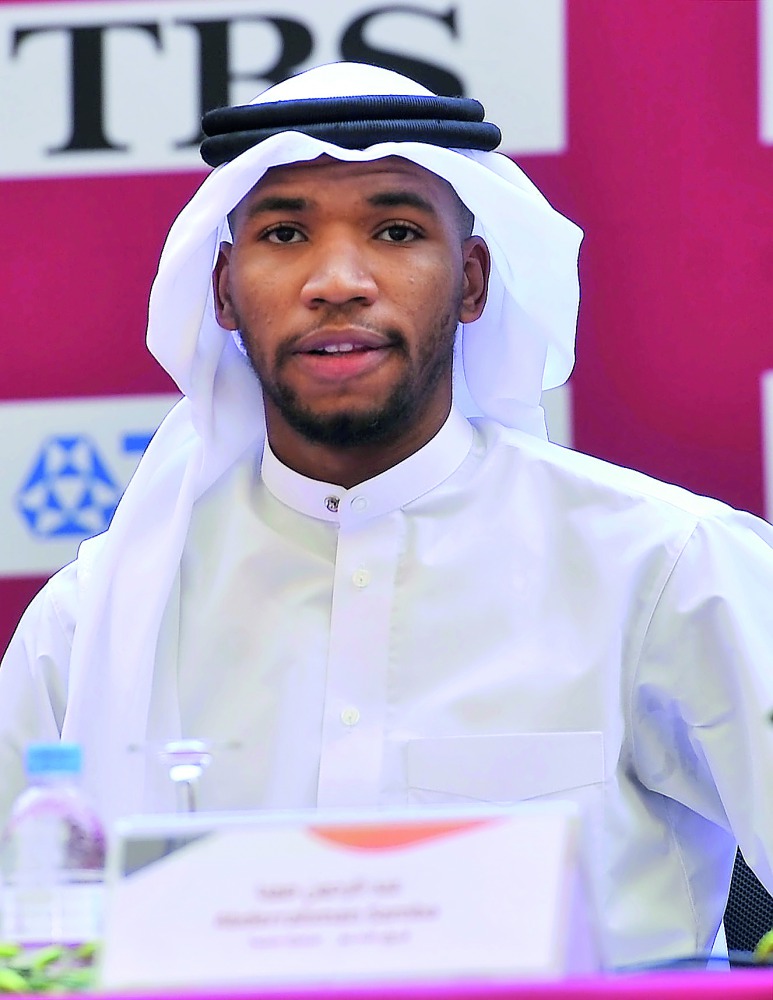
404 405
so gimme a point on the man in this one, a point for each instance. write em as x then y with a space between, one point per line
380 601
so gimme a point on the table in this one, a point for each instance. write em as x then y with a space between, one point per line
744 984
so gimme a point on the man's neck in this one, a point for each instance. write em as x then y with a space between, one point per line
350 465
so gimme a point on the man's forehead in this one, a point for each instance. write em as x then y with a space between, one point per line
308 172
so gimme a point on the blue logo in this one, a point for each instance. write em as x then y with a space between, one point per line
69 491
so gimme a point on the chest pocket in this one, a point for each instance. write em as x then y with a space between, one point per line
506 768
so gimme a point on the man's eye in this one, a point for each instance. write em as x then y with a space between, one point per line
398 233
284 234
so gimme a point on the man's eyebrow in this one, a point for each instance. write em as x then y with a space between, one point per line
276 203
398 198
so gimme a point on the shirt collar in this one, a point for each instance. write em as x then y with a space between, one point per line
398 486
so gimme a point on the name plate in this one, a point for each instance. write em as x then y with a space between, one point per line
205 900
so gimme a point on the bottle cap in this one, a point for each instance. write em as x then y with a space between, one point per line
53 758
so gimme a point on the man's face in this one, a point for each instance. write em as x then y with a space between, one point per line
347 282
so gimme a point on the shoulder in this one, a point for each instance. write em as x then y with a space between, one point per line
583 495
51 615
50 619
583 476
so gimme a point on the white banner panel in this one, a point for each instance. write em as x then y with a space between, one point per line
557 404
766 74
65 465
94 88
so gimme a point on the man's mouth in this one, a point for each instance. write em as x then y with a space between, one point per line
343 348
336 355
342 341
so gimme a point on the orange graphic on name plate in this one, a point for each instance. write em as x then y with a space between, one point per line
378 837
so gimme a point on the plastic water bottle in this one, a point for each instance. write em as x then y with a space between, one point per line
52 855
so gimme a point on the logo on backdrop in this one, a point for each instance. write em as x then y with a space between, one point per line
80 78
69 491
65 465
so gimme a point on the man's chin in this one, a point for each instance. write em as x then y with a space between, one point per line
349 428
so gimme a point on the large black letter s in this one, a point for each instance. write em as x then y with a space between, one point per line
354 48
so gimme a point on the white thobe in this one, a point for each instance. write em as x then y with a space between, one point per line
494 619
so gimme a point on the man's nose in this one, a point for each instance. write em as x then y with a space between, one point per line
339 273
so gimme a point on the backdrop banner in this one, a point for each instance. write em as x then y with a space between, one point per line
650 125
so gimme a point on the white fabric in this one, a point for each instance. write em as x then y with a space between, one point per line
517 600
523 340
501 619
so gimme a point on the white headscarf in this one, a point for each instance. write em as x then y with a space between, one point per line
522 343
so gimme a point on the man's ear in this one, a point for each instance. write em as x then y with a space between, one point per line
221 289
477 267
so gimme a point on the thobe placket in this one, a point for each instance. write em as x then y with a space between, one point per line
358 658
